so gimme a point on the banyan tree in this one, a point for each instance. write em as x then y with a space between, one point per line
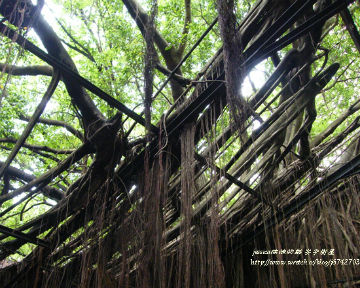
179 143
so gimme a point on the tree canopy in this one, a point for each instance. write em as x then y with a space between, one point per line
161 143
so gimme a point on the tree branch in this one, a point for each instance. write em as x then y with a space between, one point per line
336 123
45 178
25 210
92 34
36 147
88 56
141 19
169 53
52 122
84 50
48 191
351 27
43 154
339 76
89 112
182 45
33 70
31 124
180 79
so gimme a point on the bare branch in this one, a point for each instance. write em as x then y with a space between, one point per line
180 79
182 45
84 50
38 152
337 80
36 147
52 122
48 191
88 56
88 27
26 210
33 70
46 178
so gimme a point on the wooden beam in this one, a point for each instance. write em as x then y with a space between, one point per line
22 236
